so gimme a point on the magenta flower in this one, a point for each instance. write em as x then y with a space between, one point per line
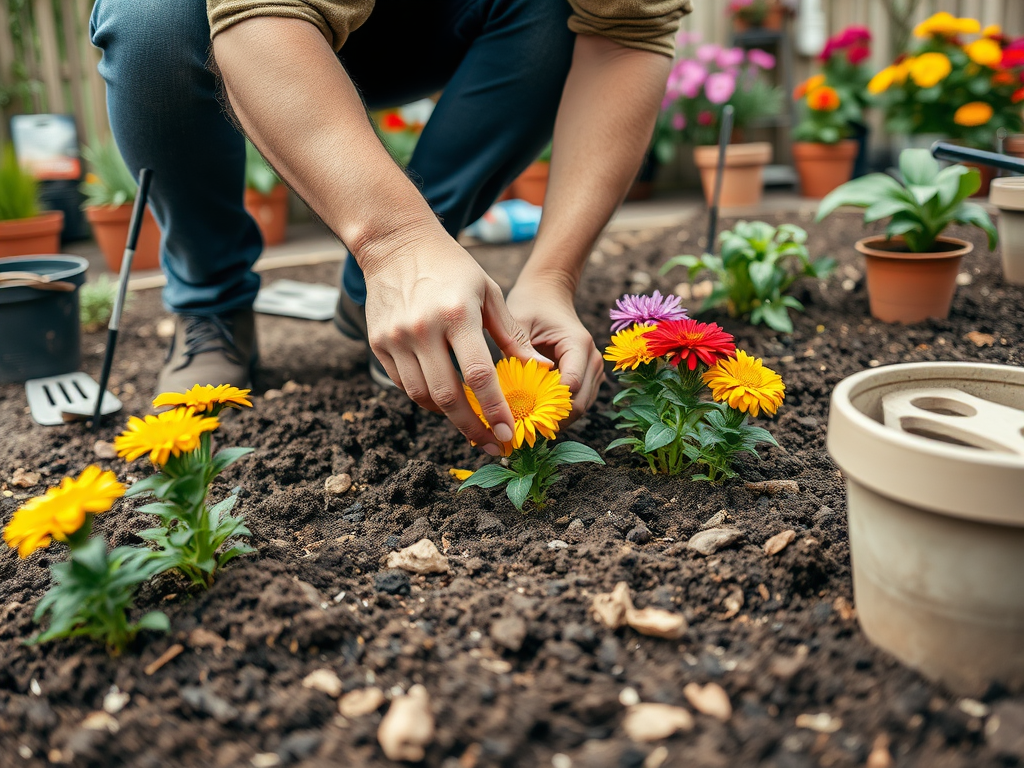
705 118
761 59
720 87
678 121
728 58
708 52
645 309
690 78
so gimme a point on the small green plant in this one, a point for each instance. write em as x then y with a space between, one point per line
920 205
96 303
758 264
19 191
258 173
109 182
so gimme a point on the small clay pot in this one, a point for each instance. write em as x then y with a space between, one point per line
1014 145
110 228
34 235
1008 196
772 21
823 167
270 212
905 287
743 180
532 184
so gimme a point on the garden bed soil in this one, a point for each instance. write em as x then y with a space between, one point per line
517 668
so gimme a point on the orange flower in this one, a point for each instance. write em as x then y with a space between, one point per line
823 99
1003 78
394 122
974 114
807 86
1018 96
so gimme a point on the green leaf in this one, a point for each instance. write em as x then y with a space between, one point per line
658 436
923 193
488 476
762 275
228 456
156 621
147 485
236 551
575 453
690 262
518 490
886 207
618 442
974 215
92 555
777 317
823 267
860 193
917 166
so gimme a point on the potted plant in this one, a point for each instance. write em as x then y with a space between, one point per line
109 191
266 196
822 151
843 63
1008 196
532 184
936 524
755 14
912 268
959 82
24 229
698 88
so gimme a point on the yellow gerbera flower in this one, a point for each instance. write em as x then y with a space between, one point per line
947 25
170 433
973 114
61 511
629 348
883 81
930 69
462 475
746 385
206 398
536 396
985 52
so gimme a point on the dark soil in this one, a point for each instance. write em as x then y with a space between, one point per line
517 668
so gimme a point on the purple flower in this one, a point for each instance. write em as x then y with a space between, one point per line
645 309
728 58
708 52
761 59
720 87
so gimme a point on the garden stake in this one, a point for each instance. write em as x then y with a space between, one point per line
145 179
723 145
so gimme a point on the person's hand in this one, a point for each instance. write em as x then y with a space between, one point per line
544 309
429 296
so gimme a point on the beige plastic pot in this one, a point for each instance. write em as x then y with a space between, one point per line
1008 195
936 526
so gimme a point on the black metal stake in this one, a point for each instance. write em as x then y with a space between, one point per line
724 134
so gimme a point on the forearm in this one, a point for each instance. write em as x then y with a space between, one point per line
297 104
604 125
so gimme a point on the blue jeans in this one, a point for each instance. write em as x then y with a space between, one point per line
501 63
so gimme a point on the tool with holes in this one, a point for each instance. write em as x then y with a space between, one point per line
933 457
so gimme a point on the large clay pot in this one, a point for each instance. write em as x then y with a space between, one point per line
270 212
532 184
743 180
936 523
1008 196
905 287
34 235
823 167
110 228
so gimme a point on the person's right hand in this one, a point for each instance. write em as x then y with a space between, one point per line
426 297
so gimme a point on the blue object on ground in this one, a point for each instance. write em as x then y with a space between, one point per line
510 221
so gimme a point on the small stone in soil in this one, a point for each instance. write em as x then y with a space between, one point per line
610 607
779 542
656 622
115 701
979 339
421 557
509 632
575 525
710 699
557 544
336 485
641 534
298 746
785 667
200 637
104 450
1004 730
488 522
880 756
628 697
408 726
354 514
392 582
820 722
22 478
773 487
265 760
360 702
710 541
653 722
657 758
323 680
715 520
203 699
392 541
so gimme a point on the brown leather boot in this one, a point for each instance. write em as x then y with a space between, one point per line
350 320
210 349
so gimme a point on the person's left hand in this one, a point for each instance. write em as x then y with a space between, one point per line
545 311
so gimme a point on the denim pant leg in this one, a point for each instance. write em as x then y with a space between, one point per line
165 115
498 108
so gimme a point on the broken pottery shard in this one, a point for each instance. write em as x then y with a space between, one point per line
323 680
610 608
652 722
335 485
408 726
421 557
657 623
710 699
773 487
361 702
710 541
779 542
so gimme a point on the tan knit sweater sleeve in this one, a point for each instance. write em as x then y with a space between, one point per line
650 25
336 19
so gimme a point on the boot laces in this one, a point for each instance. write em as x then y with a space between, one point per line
208 333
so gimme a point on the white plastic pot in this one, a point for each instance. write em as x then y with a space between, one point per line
1008 195
937 526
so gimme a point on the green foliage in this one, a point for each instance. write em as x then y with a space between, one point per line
920 206
258 173
92 592
109 182
19 191
821 126
96 303
531 471
758 264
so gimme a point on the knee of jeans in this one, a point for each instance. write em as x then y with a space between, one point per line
547 46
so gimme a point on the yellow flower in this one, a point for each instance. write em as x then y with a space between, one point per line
629 348
883 81
930 69
61 511
992 30
974 114
947 25
91 178
746 385
536 396
170 433
205 398
985 52
462 475
808 85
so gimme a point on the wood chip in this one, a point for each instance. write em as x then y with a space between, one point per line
779 542
165 657
710 699
773 487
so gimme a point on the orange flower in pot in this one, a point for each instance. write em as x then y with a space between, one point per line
824 155
24 229
912 268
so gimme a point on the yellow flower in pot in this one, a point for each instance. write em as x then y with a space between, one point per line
24 229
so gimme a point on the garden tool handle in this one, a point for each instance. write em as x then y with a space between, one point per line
724 134
942 150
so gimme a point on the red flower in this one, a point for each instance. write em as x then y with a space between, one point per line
858 53
1012 58
1003 78
394 122
705 118
1018 96
691 341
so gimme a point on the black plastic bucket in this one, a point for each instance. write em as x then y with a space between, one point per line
39 330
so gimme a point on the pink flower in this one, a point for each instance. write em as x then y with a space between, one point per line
728 58
857 53
685 38
691 76
708 52
761 59
720 87
678 121
705 118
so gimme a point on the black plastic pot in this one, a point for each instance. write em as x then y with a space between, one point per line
39 330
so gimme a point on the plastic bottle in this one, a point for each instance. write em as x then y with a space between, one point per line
510 221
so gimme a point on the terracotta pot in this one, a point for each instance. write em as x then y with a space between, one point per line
532 184
1014 145
772 21
35 235
1008 196
936 527
270 212
110 228
823 167
905 287
743 181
